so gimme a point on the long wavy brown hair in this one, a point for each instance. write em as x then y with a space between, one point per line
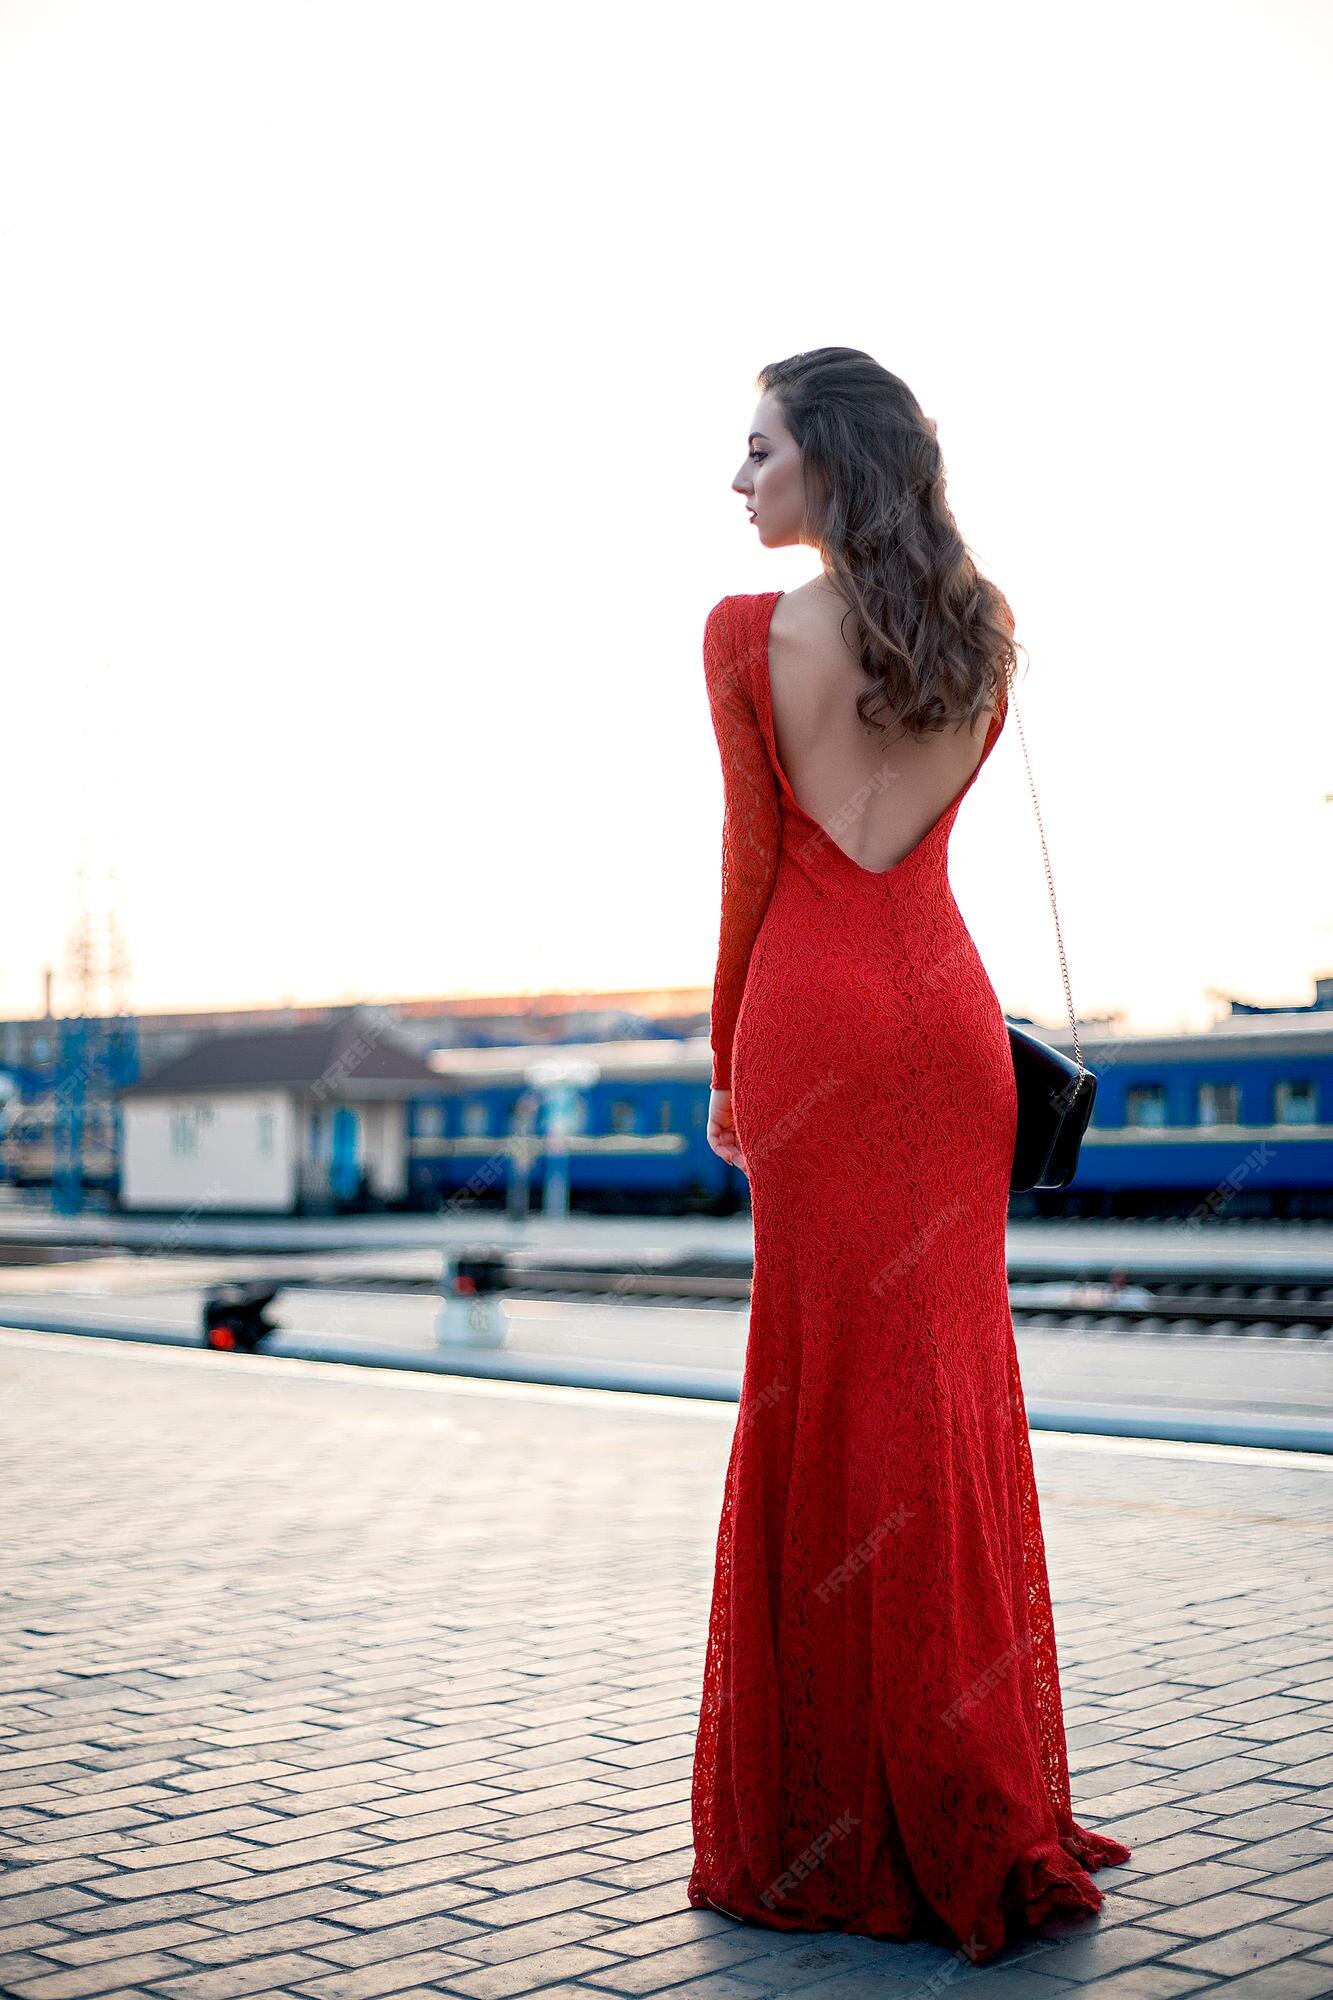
934 634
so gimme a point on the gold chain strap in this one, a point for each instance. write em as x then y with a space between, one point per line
1050 884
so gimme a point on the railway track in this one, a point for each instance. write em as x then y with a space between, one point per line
1250 1309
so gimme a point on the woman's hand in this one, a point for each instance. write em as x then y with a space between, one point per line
722 1130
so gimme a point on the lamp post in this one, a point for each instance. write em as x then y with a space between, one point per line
560 1079
522 1152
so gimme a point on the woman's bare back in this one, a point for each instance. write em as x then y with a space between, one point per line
876 793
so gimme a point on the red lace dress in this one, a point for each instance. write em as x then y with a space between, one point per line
881 1743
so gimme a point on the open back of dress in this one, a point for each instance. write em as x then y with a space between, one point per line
875 792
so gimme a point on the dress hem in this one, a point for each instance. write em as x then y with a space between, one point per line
1046 1881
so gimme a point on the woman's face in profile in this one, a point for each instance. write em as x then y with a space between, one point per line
770 478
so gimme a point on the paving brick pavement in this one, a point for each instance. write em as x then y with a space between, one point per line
323 1682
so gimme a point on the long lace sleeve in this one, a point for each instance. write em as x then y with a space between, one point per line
751 825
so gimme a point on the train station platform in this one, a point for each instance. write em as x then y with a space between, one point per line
337 1683
1223 1351
1281 1250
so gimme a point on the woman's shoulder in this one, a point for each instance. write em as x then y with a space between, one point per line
730 631
738 611
725 621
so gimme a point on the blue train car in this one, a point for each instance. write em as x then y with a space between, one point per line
1231 1122
638 1142
1234 1121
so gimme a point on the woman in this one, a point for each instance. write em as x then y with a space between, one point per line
881 1743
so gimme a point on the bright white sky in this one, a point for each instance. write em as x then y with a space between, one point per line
373 381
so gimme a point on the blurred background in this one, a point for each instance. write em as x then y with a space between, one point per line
374 384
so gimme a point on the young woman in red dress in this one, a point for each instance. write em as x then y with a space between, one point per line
881 1744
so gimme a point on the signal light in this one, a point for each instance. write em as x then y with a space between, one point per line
473 1313
234 1317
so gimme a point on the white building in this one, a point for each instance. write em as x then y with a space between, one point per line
284 1119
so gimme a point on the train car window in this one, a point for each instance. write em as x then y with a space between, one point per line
622 1115
1218 1104
1294 1101
664 1114
476 1118
1145 1104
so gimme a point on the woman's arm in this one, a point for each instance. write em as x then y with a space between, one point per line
751 825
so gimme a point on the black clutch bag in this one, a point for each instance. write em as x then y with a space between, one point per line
1055 1095
1055 1099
